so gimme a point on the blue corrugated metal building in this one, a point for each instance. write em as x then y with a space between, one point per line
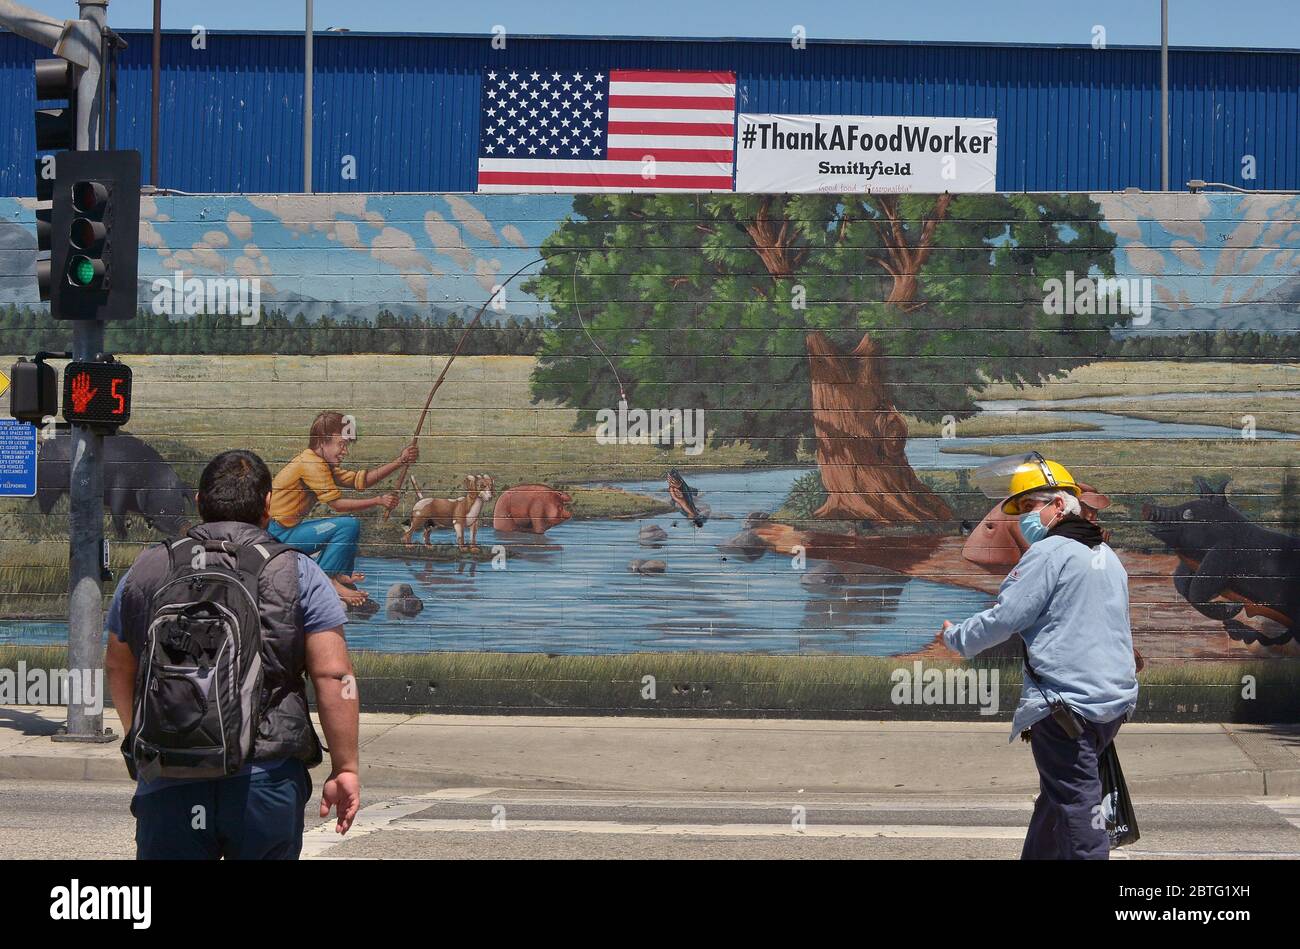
406 107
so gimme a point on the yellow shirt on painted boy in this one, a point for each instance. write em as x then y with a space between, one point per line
306 480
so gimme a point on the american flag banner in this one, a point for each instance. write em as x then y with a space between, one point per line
628 130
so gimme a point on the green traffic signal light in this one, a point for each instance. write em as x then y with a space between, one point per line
83 272
92 276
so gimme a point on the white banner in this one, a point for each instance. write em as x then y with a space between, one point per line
844 153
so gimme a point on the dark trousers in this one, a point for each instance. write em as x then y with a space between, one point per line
249 817
1065 825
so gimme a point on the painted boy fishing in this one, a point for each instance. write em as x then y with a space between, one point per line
316 476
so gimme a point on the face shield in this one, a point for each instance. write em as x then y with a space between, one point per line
1017 475
995 478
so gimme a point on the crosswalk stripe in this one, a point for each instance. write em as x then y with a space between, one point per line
1287 808
927 831
380 816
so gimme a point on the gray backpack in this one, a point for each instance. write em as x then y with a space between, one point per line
198 690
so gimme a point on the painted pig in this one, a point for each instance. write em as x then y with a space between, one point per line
997 542
1226 558
531 508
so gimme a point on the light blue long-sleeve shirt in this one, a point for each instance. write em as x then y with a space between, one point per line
1069 602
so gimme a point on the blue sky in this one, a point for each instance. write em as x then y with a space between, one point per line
1247 23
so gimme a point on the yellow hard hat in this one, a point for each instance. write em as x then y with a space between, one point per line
1037 473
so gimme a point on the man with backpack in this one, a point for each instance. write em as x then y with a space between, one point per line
210 638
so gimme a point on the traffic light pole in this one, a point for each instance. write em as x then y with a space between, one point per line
81 43
86 488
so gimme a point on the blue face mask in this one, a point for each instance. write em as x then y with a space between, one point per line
1032 526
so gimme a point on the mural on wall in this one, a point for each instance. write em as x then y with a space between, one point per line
703 422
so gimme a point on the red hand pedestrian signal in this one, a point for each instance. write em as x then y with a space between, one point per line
82 393
97 394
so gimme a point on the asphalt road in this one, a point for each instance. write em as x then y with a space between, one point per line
90 820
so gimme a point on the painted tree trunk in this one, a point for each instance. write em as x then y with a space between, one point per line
861 439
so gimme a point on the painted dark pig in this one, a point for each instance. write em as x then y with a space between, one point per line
1224 555
136 481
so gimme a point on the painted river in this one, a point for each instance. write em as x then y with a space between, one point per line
571 591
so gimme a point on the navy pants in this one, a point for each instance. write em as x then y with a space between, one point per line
257 816
1064 825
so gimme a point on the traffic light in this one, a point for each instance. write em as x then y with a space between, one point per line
97 394
95 232
44 222
56 128
33 392
56 81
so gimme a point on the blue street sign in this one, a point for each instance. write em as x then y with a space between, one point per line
17 459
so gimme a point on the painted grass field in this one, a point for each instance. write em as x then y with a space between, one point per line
192 407
1150 377
481 419
1280 413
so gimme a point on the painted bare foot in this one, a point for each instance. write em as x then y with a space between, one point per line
350 579
349 595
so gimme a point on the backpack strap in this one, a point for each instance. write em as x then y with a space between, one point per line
181 551
252 559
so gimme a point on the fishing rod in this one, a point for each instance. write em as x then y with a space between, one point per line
424 413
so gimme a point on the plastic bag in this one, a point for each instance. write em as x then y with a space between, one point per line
1117 807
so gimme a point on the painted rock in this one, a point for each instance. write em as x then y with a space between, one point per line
823 573
651 535
746 545
648 566
364 610
401 602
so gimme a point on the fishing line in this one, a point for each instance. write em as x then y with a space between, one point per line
460 343
622 394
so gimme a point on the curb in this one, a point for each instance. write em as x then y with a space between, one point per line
1235 783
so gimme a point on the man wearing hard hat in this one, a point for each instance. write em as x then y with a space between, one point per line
1068 600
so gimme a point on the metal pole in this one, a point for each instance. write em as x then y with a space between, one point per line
86 487
155 93
307 105
1164 95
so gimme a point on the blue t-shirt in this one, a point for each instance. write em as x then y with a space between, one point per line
319 609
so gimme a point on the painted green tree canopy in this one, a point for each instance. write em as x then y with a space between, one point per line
898 304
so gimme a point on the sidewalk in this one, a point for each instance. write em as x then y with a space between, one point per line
431 751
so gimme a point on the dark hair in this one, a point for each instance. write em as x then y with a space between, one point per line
233 487
326 426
